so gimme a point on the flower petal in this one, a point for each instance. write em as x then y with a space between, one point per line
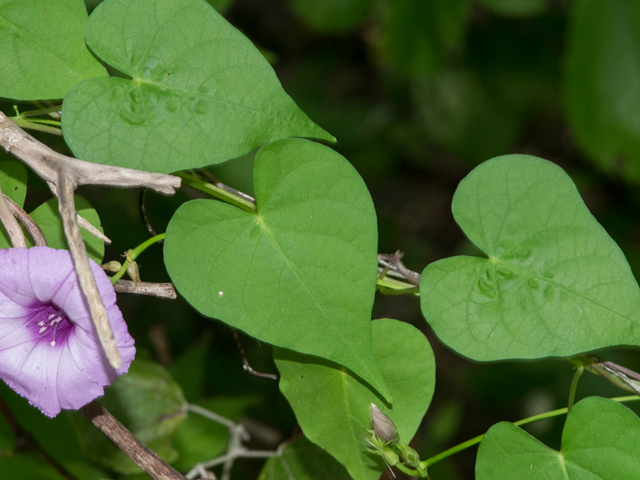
53 372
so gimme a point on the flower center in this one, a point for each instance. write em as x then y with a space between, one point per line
52 324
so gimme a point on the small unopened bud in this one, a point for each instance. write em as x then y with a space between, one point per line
111 266
383 426
389 456
409 456
132 269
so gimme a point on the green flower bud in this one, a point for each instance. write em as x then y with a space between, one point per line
389 456
383 426
409 456
111 266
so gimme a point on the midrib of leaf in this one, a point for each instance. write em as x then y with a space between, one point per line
283 254
32 39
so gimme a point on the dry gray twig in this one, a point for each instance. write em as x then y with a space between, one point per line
63 174
160 290
10 223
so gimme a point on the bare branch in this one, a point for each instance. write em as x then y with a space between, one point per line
146 459
64 174
27 222
84 223
10 223
161 290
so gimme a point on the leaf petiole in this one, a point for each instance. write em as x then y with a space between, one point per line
215 191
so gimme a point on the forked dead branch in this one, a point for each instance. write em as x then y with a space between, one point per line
63 175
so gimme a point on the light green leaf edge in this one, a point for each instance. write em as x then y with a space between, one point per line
333 407
200 93
42 49
555 283
600 441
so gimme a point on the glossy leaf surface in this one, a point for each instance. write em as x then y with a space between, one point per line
302 460
300 273
333 407
602 97
600 441
42 49
554 282
200 93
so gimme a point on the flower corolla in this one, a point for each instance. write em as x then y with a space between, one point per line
49 351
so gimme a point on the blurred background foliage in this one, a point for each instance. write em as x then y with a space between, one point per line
417 92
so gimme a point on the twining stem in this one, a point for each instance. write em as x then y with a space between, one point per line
133 254
39 124
217 192
574 387
474 441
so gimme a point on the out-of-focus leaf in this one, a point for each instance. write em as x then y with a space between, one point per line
419 35
303 460
463 116
149 403
199 94
516 8
554 282
602 83
27 467
200 439
333 406
600 441
189 369
299 273
42 49
332 15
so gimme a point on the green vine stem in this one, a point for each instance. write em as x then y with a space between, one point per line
574 387
41 125
474 441
215 191
133 254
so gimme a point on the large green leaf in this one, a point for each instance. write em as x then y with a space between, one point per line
600 441
300 273
334 408
554 282
200 93
302 460
42 49
601 82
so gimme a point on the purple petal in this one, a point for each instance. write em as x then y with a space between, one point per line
49 352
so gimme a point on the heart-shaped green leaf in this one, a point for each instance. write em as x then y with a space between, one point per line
334 408
302 460
554 282
300 273
200 93
600 441
42 49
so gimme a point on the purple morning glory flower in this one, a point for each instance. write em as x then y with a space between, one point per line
49 352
